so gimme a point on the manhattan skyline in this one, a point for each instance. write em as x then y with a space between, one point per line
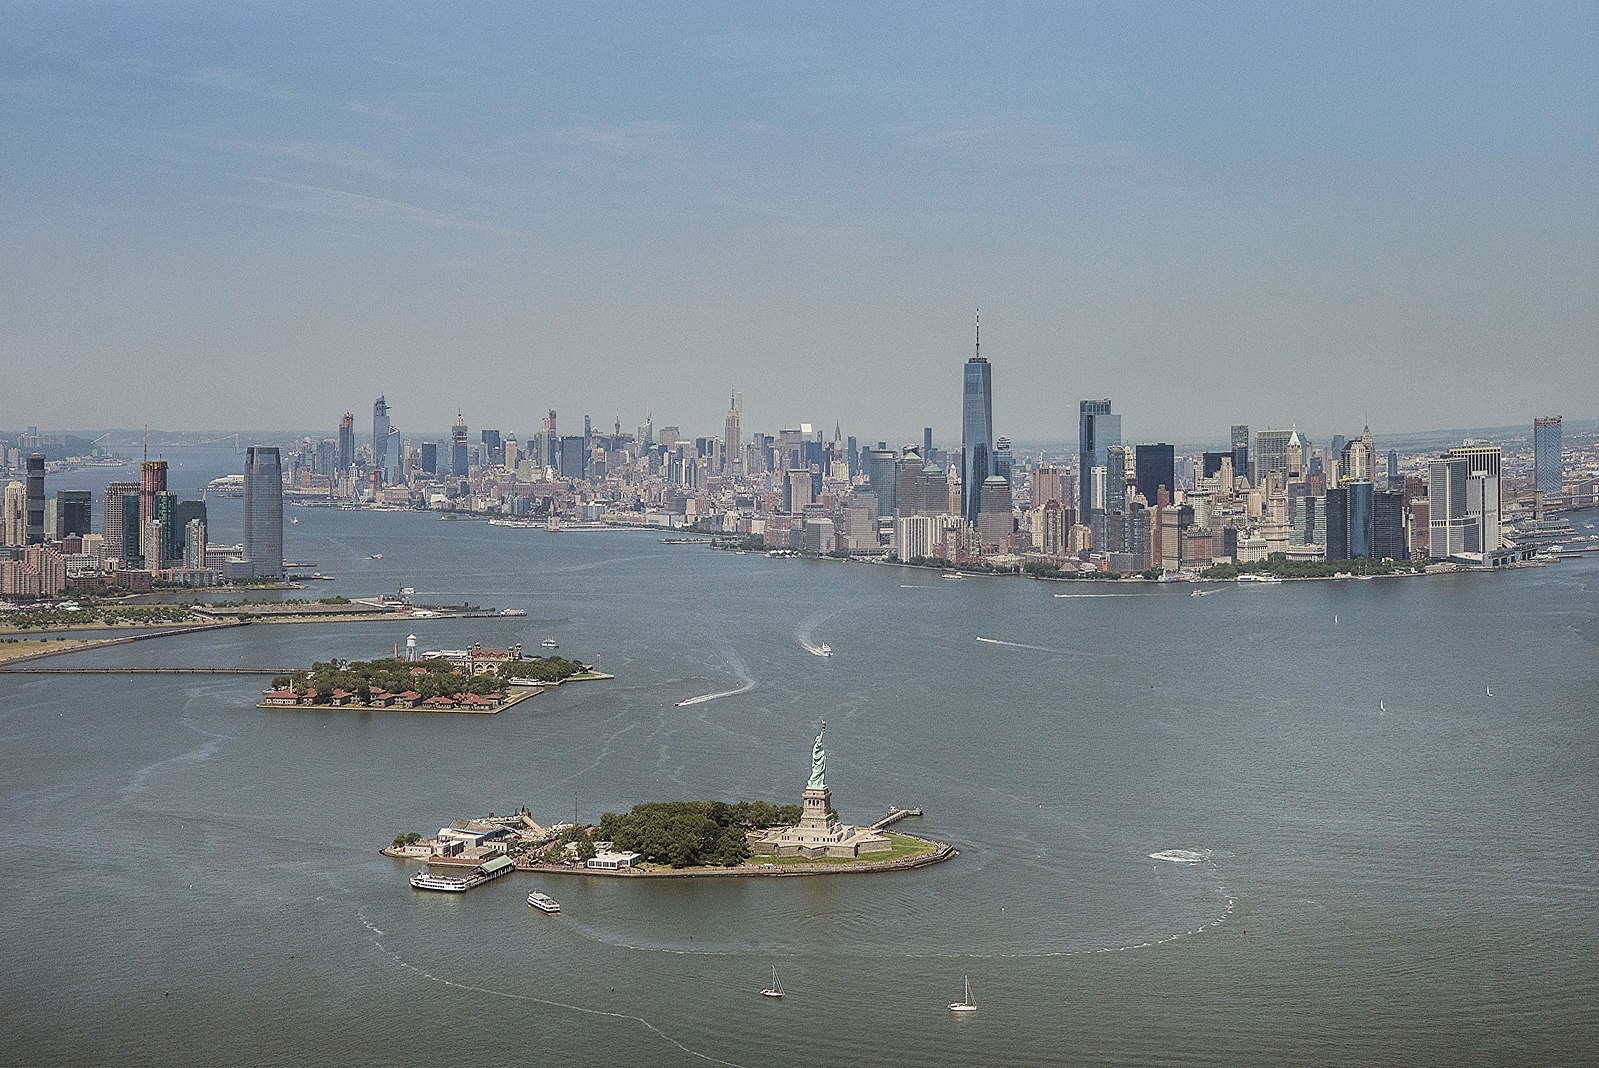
1231 214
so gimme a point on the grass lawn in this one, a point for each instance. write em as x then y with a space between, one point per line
904 847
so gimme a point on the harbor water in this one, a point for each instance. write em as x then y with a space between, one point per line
1219 830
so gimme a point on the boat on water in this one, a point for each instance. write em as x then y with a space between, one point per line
452 884
776 989
549 643
543 902
1382 706
823 650
966 1004
1489 690
294 519
1252 577
375 556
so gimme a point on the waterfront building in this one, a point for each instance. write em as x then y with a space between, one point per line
1155 469
380 439
1337 507
34 532
1097 431
1360 518
977 430
1389 536
1463 486
1307 520
263 512
995 522
1548 477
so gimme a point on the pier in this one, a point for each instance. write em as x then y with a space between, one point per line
895 814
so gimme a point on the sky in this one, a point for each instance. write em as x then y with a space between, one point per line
260 215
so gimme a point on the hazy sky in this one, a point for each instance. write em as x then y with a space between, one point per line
260 215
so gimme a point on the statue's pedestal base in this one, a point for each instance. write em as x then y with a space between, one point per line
818 834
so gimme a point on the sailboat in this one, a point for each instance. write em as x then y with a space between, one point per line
966 1004
776 989
1382 706
1489 690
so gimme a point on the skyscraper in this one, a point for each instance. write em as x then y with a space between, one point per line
380 438
1240 444
733 435
35 500
977 430
152 483
263 511
1097 431
15 529
345 457
1004 463
113 526
72 513
1154 469
1271 452
458 456
1547 472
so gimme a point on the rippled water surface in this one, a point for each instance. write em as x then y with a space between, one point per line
1189 834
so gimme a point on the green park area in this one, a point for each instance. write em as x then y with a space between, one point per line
427 678
687 834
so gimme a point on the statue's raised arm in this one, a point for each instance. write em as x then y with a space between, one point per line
818 763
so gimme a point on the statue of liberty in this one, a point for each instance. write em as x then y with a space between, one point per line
818 763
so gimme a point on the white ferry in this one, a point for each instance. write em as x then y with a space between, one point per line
1250 576
823 650
543 902
454 884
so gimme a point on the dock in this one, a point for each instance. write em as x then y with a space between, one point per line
895 814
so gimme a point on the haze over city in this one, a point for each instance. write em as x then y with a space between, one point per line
1214 214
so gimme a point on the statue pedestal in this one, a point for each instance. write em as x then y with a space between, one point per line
817 816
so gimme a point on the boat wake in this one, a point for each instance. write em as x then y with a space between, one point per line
1097 595
1020 645
376 935
738 669
1181 856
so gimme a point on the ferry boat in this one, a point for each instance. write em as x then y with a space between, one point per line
549 643
543 902
454 884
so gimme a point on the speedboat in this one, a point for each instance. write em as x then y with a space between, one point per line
823 650
543 902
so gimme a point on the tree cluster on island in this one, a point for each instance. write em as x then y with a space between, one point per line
686 834
91 613
427 678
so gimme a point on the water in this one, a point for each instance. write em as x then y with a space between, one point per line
1188 834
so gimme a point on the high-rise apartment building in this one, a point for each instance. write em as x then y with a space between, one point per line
977 431
1547 473
15 529
1097 431
263 511
113 523
35 500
